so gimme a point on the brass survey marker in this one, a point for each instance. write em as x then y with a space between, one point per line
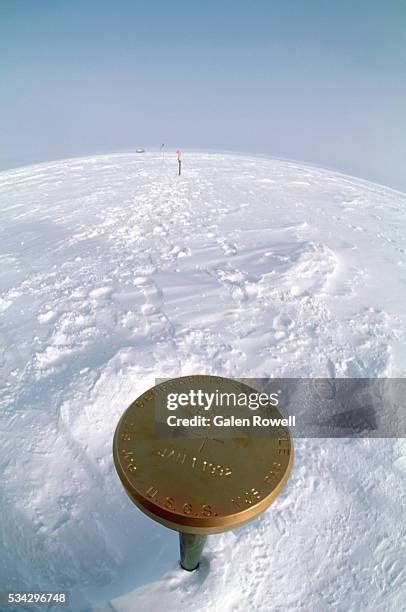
197 485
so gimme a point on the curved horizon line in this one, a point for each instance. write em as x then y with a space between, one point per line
197 151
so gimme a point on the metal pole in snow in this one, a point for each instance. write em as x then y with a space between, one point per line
191 547
179 153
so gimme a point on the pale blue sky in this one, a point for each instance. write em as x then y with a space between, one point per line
321 81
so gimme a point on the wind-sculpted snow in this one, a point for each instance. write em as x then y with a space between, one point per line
115 271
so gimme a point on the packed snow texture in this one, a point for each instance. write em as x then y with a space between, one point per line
115 271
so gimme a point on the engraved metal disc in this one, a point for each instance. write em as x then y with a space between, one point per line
194 484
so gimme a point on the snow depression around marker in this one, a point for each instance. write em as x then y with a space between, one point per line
115 271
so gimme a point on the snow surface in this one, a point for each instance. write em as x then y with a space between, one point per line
115 271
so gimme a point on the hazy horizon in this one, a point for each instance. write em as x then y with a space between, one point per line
324 84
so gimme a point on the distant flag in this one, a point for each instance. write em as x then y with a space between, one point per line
179 153
162 149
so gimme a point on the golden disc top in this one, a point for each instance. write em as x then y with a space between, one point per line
198 485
